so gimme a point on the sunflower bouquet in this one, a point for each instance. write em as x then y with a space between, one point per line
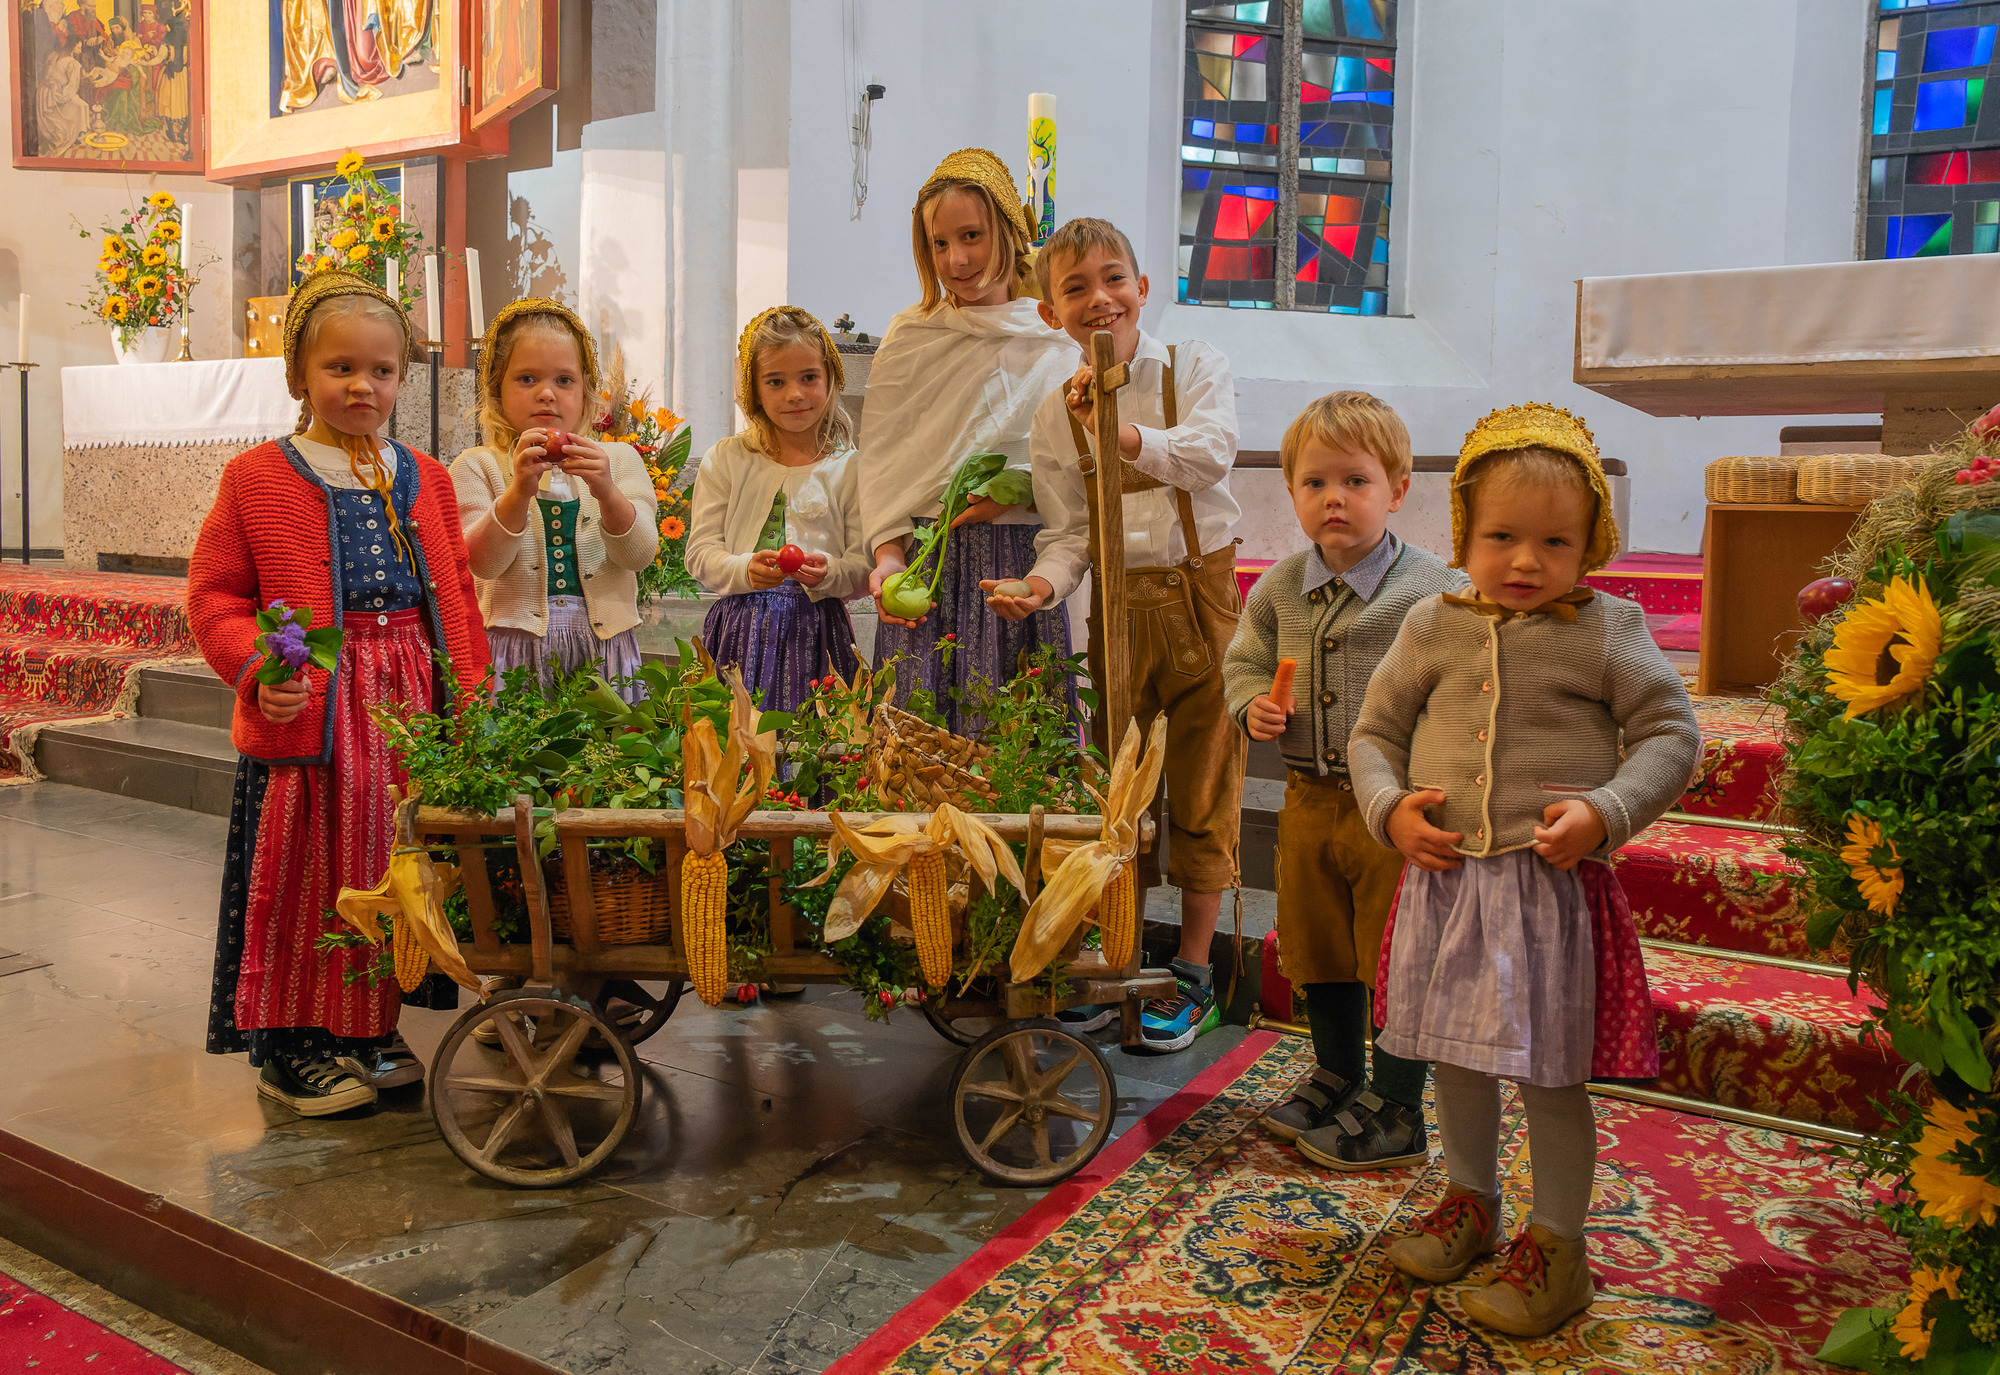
664 441
1893 777
143 278
368 231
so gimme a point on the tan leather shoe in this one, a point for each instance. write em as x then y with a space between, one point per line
1458 1232
1543 1284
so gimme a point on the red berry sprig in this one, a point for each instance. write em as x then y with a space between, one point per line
1981 469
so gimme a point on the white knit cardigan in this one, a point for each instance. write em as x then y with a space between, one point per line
508 568
733 490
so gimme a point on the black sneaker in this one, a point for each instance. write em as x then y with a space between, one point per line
1314 1101
1089 1016
314 1088
1370 1134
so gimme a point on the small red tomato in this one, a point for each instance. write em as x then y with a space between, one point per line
1824 596
791 559
557 444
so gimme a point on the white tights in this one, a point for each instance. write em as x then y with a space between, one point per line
1562 1143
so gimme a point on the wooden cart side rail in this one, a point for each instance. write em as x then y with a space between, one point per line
630 823
649 962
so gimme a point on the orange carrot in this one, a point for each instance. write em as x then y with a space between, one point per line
1281 682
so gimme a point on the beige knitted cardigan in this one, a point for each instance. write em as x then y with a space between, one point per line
508 568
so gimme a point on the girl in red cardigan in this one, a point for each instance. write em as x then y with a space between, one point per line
365 532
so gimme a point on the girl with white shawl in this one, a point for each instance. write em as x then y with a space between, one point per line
960 373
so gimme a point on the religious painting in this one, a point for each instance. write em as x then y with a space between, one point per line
514 42
312 207
296 83
108 85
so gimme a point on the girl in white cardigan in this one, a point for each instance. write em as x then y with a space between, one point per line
775 516
557 525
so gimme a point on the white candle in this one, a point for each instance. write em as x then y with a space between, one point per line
21 349
433 302
1041 165
395 281
475 294
187 242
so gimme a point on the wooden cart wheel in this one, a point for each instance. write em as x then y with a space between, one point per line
526 1113
1033 1102
654 1003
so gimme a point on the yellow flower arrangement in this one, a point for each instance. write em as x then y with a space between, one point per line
1946 1191
115 247
358 253
161 200
672 527
325 264
117 275
346 238
385 227
1898 635
354 200
148 285
153 256
668 423
167 231
1881 884
350 163
115 308
1912 1325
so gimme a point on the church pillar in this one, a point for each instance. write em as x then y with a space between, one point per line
703 215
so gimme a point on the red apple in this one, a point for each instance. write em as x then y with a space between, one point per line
791 559
1821 598
557 444
1987 423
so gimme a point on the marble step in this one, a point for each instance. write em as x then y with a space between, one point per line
191 694
173 762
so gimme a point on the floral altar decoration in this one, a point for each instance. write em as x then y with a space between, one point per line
664 441
368 233
143 277
1893 777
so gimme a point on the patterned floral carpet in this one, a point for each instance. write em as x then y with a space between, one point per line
1744 755
71 645
1197 1244
1705 885
40 1333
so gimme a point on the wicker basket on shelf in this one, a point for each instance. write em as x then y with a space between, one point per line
631 903
1740 479
1853 479
927 765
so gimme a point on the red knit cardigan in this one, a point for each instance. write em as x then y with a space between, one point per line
267 539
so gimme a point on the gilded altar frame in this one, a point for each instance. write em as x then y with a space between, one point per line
514 57
42 27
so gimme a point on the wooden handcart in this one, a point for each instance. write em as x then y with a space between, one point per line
1032 1101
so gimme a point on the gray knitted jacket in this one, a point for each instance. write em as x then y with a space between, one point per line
1507 719
1337 641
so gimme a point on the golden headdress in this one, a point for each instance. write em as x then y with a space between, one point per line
746 354
315 291
586 347
985 170
1536 425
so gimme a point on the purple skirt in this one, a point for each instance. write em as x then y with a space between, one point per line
782 640
989 647
569 645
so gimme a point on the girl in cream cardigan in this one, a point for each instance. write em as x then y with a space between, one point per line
557 525
774 522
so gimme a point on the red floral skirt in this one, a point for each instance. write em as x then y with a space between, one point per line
324 828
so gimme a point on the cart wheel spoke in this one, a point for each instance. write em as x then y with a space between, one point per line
1042 1141
1008 1121
1065 1107
556 1117
515 1041
1019 1054
1053 1080
993 1088
587 1088
504 1128
482 1083
564 1050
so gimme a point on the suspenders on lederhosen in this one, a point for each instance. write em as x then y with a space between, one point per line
1168 590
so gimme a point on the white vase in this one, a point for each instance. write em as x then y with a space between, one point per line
154 344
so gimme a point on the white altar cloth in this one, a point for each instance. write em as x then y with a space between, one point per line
227 401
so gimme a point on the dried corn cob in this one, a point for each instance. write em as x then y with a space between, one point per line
1117 916
704 893
930 916
412 960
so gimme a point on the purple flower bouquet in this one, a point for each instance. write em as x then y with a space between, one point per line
289 644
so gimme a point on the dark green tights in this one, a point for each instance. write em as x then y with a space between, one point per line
1339 1014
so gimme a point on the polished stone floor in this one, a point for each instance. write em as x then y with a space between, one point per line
792 1183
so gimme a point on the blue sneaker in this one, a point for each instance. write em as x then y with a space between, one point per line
1170 1024
1089 1016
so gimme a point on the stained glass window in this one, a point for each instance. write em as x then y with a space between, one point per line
1236 136
1934 138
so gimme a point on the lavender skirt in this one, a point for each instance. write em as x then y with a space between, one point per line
1492 967
782 640
569 645
989 646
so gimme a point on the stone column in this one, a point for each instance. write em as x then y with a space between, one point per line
706 57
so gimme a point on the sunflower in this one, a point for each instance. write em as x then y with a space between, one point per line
1884 650
1912 1326
117 275
346 238
353 201
358 253
325 264
670 474
1947 1192
116 308
350 163
153 256
161 200
115 247
167 231
148 285
1881 883
385 227
673 527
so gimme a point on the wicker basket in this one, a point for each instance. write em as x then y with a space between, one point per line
1769 481
631 903
1853 479
925 765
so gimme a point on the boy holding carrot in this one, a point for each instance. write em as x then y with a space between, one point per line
1328 614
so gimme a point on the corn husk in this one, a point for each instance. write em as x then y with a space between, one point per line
412 894
885 846
718 795
1079 880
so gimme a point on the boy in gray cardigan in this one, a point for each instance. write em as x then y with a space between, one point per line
1334 609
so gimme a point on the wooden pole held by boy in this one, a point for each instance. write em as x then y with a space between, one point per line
1107 541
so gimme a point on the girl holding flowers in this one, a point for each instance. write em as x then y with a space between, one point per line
363 533
558 526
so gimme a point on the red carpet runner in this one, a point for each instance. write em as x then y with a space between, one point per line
40 1335
71 645
1197 1244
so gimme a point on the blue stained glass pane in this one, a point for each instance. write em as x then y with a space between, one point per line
1201 128
1940 105
1374 303
1257 193
1986 238
1885 65
1878 179
1947 50
1195 178
1917 231
1881 124
1361 22
1319 134
1982 51
1350 74
1249 133
1381 250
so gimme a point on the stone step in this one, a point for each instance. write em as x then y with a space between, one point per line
191 694
172 762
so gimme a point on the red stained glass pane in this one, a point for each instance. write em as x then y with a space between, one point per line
1231 221
1259 211
1341 237
1227 264
1250 45
1343 209
1309 92
1985 165
1382 64
1310 272
1927 169
1264 263
1955 174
